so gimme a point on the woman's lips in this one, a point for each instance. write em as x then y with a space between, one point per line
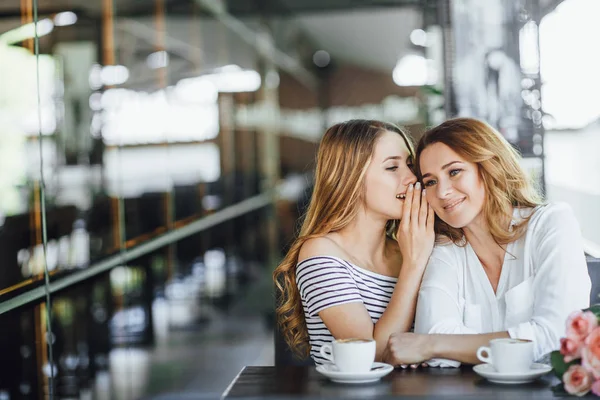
454 204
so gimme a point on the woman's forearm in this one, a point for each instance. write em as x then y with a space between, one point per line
461 348
400 312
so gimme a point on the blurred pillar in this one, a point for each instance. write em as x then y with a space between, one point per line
108 58
245 150
74 139
98 312
268 143
246 156
46 364
445 21
537 115
227 149
323 93
161 83
37 219
147 297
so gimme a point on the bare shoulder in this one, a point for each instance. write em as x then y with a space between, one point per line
321 246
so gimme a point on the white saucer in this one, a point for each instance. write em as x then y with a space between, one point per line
508 378
332 372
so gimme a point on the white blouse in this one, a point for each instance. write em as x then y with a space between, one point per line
544 278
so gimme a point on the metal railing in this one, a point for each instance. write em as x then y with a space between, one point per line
39 293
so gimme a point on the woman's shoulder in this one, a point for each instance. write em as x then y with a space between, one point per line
323 246
550 214
446 248
319 253
448 257
445 264
318 257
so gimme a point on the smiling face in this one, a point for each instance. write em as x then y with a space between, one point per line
454 186
388 175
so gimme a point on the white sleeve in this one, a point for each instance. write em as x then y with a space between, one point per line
439 309
561 283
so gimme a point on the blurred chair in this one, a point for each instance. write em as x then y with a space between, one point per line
593 265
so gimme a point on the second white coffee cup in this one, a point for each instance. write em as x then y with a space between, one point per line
508 355
350 355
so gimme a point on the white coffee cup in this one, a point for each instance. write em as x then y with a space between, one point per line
508 355
350 355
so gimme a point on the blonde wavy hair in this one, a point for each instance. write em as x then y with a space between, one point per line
343 157
506 184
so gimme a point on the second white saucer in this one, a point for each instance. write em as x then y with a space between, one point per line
511 378
378 371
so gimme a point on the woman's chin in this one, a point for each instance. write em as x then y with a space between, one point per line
456 223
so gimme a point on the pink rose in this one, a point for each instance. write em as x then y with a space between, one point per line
580 324
590 354
596 388
570 348
578 380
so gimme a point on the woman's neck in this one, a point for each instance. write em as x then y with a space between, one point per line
365 239
483 243
478 233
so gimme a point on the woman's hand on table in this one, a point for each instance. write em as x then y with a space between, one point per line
414 366
407 348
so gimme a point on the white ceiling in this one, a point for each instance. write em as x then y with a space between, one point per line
369 37
372 38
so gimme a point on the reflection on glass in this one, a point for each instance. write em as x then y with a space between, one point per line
125 127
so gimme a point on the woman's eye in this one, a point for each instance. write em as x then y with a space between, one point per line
392 168
455 172
429 183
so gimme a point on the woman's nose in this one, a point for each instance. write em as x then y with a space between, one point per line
409 178
443 189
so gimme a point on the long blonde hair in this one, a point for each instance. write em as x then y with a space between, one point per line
343 157
506 183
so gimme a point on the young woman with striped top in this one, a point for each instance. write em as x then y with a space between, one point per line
355 269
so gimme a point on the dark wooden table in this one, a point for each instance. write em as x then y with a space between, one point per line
447 383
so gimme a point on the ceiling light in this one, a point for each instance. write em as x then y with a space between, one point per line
233 79
414 70
27 31
114 75
65 18
159 59
418 37
321 58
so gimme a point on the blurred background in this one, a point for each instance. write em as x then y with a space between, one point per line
156 155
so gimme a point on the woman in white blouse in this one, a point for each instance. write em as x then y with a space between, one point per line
504 265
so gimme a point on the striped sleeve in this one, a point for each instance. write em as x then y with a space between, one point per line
324 282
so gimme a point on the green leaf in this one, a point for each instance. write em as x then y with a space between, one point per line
428 89
559 365
595 309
